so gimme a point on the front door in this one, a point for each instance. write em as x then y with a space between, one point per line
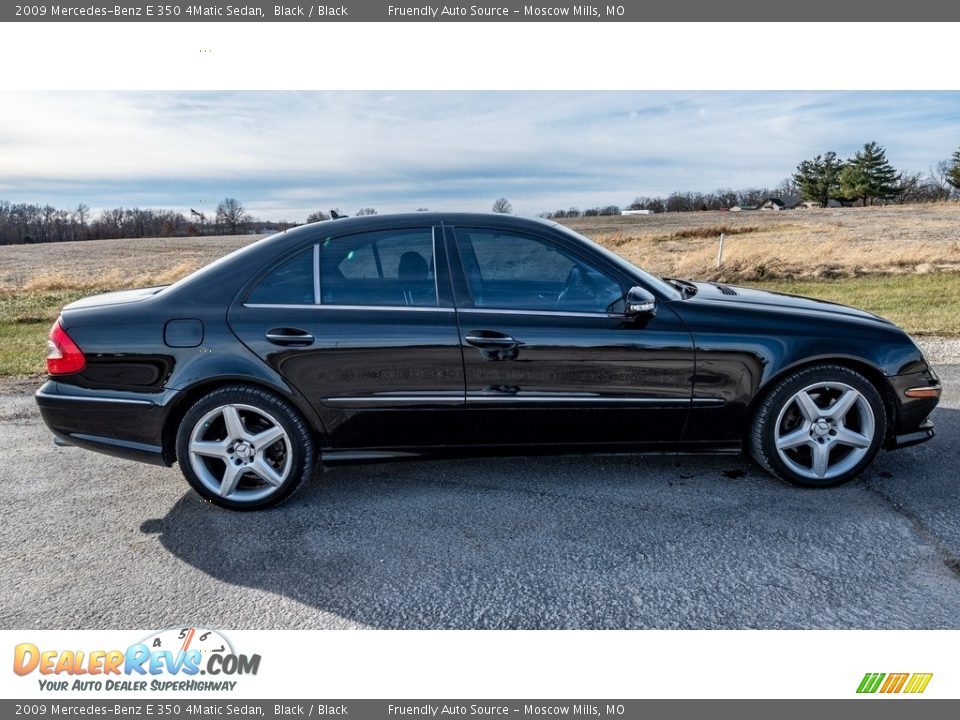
550 357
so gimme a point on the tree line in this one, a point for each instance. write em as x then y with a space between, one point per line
867 178
31 223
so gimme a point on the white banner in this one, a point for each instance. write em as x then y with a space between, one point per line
204 663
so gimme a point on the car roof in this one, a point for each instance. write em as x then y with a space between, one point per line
441 217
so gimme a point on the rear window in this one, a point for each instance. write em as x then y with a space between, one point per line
290 283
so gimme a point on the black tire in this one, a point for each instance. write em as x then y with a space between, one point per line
291 456
780 402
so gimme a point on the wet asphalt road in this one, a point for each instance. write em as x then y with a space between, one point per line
89 541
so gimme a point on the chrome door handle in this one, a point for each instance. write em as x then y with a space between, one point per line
289 336
487 339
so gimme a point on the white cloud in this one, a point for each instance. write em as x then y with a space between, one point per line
284 153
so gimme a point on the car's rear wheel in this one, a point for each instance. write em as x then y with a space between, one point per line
244 448
819 427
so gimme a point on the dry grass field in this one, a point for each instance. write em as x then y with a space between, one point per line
901 262
113 264
787 245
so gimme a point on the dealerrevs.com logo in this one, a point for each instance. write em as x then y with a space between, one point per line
909 683
177 659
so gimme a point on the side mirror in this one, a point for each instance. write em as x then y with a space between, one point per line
640 303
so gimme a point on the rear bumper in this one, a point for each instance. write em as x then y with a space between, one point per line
118 424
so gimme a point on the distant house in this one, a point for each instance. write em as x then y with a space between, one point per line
742 208
785 202
637 212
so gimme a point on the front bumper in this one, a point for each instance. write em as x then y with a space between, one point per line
923 433
125 425
911 423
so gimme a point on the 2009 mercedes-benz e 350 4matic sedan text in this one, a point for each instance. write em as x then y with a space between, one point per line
409 335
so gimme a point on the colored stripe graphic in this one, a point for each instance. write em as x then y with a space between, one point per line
918 683
894 683
870 682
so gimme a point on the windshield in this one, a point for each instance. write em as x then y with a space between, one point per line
654 283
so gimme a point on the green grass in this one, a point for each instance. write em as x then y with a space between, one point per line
920 304
25 319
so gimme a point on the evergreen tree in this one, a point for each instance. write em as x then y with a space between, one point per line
869 176
819 179
953 173
853 184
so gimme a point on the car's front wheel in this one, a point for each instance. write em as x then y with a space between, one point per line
244 448
819 427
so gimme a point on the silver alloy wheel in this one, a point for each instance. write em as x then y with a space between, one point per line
824 430
240 452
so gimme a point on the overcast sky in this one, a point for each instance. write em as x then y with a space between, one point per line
286 154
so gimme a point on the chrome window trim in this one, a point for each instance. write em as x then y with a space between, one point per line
316 274
431 308
552 313
414 308
436 267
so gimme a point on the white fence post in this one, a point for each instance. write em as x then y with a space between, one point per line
720 251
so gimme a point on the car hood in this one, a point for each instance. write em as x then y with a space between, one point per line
715 292
114 298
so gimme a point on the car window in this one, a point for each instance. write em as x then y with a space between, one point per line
385 267
290 283
520 272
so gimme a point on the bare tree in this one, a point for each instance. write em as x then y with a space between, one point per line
938 181
112 220
910 188
654 204
317 216
232 214
80 215
789 186
367 211
502 205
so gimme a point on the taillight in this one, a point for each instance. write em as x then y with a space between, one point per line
63 355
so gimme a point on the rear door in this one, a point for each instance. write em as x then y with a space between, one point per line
549 355
363 325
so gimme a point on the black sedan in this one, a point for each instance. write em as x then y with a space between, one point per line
384 337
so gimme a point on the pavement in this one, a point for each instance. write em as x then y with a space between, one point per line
89 541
